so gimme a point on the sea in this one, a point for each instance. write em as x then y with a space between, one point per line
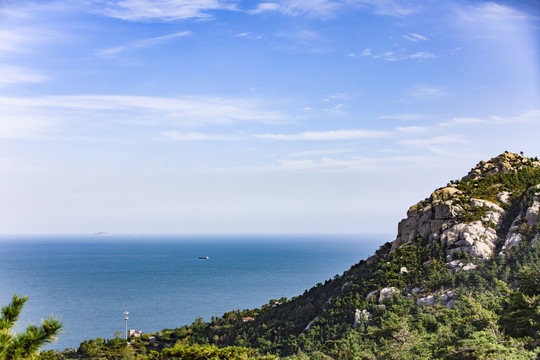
89 281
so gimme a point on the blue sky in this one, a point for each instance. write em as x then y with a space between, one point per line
292 116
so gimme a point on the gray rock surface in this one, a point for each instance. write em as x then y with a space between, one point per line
387 293
360 316
373 293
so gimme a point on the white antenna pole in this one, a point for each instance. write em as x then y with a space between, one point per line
126 314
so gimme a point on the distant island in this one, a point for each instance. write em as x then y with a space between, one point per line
102 233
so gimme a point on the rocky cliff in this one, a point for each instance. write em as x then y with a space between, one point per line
496 205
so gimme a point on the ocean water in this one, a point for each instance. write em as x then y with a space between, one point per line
89 281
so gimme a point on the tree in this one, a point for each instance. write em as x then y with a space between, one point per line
24 345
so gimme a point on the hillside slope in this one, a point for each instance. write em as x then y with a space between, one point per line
460 281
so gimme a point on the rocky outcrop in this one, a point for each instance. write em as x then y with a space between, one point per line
465 221
456 265
526 219
446 298
473 239
531 216
504 163
387 293
361 316
439 221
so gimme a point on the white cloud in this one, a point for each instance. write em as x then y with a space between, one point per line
262 7
303 36
164 10
195 136
327 135
30 125
427 92
414 37
248 35
422 55
320 152
528 117
437 140
322 8
12 75
393 56
388 56
143 43
366 52
405 117
492 20
13 41
411 129
328 8
17 39
324 163
389 7
95 114
469 120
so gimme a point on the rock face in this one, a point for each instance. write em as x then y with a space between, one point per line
439 221
467 221
360 316
387 293
526 219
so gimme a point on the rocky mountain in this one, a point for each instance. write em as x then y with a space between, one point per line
471 216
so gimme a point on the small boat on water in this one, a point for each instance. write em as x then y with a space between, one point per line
204 257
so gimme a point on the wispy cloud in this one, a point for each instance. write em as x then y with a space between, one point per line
195 136
164 10
14 41
75 115
411 129
319 152
390 7
327 135
303 36
248 35
471 120
405 117
492 20
12 75
528 117
437 140
427 92
421 55
143 43
323 8
329 8
402 55
414 37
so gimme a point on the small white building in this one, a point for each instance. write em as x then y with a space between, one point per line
135 333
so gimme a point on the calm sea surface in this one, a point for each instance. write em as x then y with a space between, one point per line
89 281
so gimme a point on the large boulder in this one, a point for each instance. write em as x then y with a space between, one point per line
531 216
361 316
387 293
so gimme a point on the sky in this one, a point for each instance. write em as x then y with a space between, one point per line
274 116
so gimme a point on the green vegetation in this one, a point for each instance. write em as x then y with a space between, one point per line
24 345
487 187
496 316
